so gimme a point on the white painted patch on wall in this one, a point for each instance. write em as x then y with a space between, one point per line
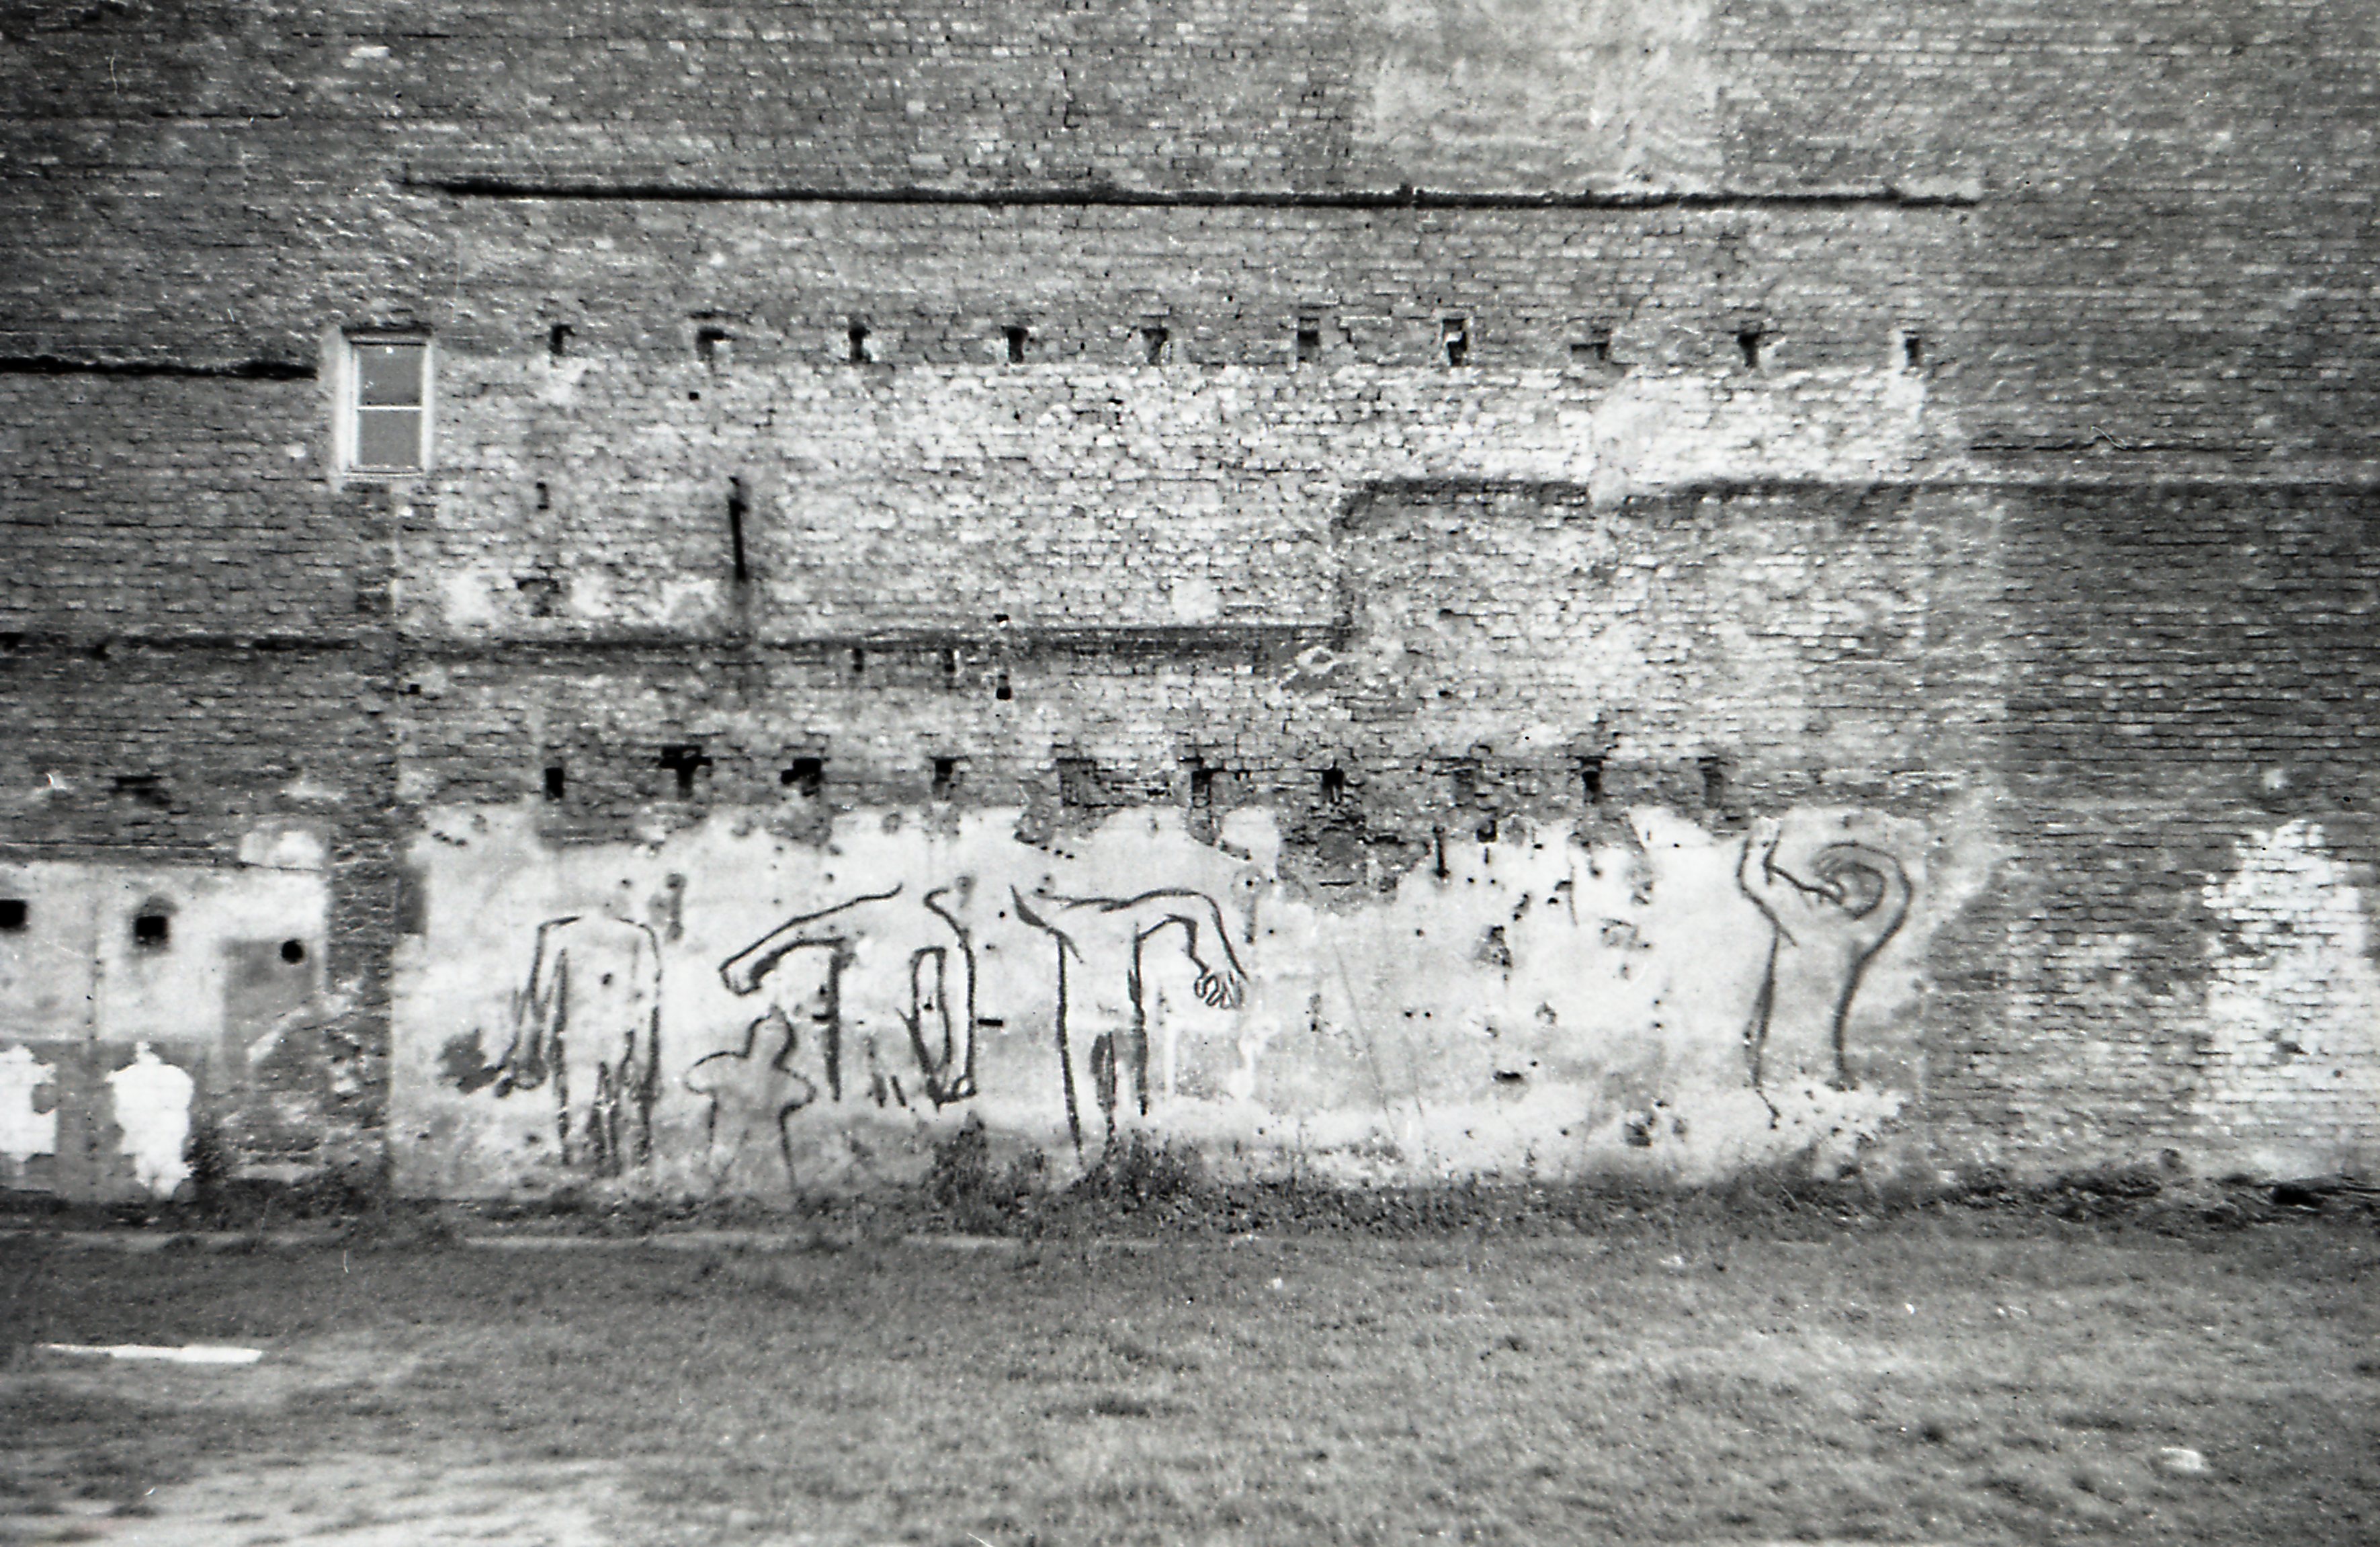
2293 1007
152 1109
26 1130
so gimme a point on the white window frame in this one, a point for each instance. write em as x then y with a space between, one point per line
351 408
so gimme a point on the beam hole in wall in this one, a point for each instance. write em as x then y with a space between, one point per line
1714 772
686 760
946 777
1590 778
1017 333
1156 343
950 668
1912 351
1309 340
1454 340
1202 787
710 346
804 776
738 506
1593 349
858 661
1000 689
293 951
557 340
152 932
557 780
149 789
1749 342
1334 784
13 914
544 497
854 335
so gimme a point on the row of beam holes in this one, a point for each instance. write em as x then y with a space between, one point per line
1157 346
152 928
806 776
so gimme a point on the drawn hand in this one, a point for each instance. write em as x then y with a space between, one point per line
1222 989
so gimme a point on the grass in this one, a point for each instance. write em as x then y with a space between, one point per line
1922 1378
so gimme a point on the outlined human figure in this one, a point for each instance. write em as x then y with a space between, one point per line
752 1091
883 958
1103 991
589 1021
1829 925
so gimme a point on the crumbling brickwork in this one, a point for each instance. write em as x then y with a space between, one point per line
1910 463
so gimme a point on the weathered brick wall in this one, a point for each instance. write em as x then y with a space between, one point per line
2038 529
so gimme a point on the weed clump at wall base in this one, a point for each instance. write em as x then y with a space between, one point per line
1138 1176
976 1196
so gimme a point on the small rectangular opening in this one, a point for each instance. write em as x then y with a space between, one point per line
1714 771
13 913
557 340
544 497
858 661
1309 340
149 789
1748 343
1590 778
1017 333
946 777
1079 783
1156 343
686 760
1000 689
950 668
556 781
1202 786
1912 351
152 932
1335 783
710 346
1454 338
804 776
736 507
855 334
1593 349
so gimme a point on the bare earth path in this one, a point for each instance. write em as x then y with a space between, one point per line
1922 1381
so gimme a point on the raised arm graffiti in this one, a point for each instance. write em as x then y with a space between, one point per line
1828 926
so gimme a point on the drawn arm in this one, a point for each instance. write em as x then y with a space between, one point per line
1222 985
743 972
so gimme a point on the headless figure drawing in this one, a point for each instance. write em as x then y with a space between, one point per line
917 960
589 1021
1830 924
1103 992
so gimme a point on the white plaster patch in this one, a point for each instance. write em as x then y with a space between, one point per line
26 1129
2293 1007
284 847
153 1111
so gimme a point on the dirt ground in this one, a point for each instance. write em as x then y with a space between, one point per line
1928 1379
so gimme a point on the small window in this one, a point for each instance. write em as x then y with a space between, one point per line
13 913
388 404
151 931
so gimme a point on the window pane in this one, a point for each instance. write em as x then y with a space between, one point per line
388 437
389 375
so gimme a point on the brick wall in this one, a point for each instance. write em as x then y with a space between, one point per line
1959 413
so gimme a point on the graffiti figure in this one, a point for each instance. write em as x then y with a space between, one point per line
590 1022
753 1091
1107 937
935 951
1828 926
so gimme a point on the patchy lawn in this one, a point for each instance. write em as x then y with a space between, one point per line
1925 1379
